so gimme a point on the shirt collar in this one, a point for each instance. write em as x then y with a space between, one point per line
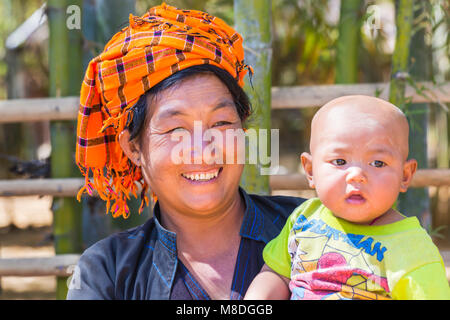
166 237
256 224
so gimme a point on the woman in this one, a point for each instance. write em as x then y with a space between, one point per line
169 71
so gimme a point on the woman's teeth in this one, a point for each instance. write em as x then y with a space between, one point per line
201 176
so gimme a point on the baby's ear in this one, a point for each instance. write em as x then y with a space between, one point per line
306 159
409 168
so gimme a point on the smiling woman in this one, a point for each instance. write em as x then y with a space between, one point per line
206 236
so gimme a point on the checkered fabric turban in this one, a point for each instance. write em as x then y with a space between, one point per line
153 47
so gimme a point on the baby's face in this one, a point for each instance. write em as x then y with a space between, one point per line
358 163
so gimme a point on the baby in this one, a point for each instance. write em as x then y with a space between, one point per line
350 243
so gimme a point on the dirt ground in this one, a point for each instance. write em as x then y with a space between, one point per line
25 231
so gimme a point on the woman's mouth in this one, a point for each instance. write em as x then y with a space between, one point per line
202 176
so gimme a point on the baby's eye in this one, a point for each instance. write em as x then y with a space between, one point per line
338 162
378 164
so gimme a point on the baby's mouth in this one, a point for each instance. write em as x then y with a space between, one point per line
355 198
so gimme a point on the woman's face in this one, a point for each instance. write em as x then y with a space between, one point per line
198 186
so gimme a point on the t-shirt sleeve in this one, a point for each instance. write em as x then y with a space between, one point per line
91 279
428 282
276 254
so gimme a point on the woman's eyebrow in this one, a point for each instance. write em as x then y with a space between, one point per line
169 113
224 104
172 112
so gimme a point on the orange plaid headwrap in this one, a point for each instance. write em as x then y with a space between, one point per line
153 47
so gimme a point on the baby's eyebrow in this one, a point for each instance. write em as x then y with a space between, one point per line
339 149
375 150
382 152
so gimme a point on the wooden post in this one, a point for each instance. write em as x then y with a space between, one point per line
253 22
400 57
10 134
65 77
416 201
440 124
113 15
95 223
348 41
103 19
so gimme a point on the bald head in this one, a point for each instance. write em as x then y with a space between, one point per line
349 114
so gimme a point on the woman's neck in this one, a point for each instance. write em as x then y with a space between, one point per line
202 234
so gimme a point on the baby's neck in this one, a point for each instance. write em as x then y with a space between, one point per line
389 217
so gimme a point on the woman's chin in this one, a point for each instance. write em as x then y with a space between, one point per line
204 203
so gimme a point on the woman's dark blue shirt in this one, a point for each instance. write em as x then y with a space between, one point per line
142 263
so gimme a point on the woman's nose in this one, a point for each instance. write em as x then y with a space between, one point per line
197 148
206 147
356 174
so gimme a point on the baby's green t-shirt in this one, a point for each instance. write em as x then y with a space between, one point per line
330 258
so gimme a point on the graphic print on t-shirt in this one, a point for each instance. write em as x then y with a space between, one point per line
330 264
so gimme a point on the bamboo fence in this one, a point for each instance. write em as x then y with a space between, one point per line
66 108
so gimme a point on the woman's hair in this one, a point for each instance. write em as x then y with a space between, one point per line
139 110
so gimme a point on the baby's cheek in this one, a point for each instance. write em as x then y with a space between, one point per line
387 186
329 181
386 195
330 191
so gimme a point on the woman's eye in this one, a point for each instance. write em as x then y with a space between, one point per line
378 163
338 162
221 123
175 129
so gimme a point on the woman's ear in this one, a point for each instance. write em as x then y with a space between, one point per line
306 159
409 168
130 148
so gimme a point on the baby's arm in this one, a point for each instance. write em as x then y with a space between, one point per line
268 285
428 282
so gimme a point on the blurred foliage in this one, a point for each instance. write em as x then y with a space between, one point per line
220 8
437 26
302 42
12 14
23 73
304 36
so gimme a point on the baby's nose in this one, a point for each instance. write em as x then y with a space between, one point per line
356 174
